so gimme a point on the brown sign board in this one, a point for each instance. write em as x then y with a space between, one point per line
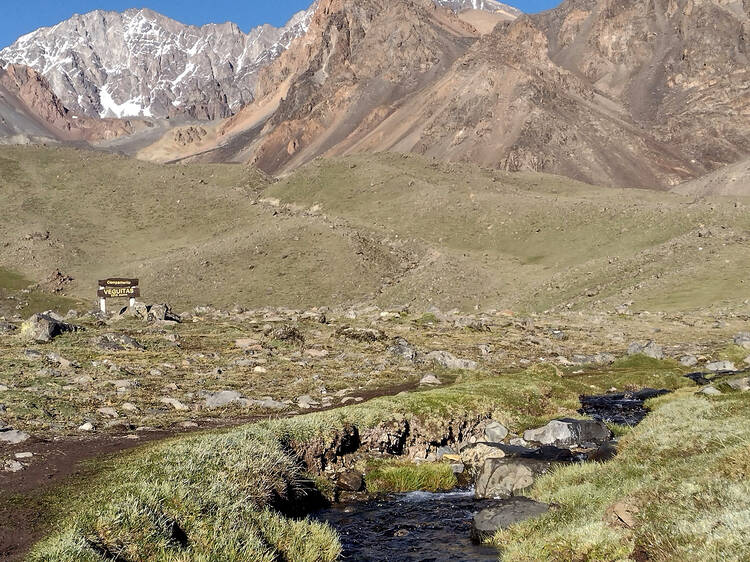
118 288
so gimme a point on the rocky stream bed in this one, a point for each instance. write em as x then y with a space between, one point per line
427 526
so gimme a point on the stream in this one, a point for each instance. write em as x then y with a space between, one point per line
424 526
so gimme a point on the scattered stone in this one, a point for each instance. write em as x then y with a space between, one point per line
475 455
260 370
118 342
587 434
504 477
316 353
129 407
742 339
247 344
45 327
449 361
124 385
188 425
621 514
361 334
108 412
514 510
162 312
13 436
32 354
495 432
711 391
288 333
176 404
350 481
268 403
223 398
3 388
596 359
13 466
458 468
7 327
688 361
743 384
719 366
88 426
402 348
306 402
26 455
651 350
429 380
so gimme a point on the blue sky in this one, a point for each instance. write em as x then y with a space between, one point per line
28 15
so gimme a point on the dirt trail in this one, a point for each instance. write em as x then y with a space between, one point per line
25 506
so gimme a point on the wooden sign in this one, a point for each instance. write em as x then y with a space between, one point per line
115 288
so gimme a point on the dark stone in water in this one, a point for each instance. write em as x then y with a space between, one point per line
417 526
350 481
511 511
624 408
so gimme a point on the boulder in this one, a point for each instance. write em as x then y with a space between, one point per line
711 391
502 478
743 384
117 342
306 402
350 481
108 412
289 334
688 361
495 432
429 380
43 328
223 398
742 339
365 335
718 366
586 434
475 455
513 510
176 404
13 436
649 350
162 312
402 348
7 327
449 361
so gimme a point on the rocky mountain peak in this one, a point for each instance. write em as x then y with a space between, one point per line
142 63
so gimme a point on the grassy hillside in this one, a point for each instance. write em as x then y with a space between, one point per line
385 228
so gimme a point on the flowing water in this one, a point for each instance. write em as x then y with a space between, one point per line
415 526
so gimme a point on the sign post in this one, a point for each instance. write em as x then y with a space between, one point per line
115 288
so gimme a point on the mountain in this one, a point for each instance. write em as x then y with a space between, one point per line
31 112
615 92
141 63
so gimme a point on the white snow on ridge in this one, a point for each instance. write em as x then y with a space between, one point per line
130 108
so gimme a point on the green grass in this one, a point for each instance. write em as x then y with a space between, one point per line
405 476
221 489
685 470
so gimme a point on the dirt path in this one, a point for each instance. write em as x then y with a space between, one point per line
27 499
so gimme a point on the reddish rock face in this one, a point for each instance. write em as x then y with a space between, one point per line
615 92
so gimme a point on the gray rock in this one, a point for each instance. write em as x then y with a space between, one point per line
13 436
502 478
596 359
118 342
742 339
513 510
223 398
306 402
88 426
495 432
402 348
43 328
587 434
176 404
350 481
445 450
108 412
3 388
711 391
13 466
649 350
475 455
365 335
717 366
162 312
429 380
7 327
458 468
268 403
449 361
743 384
688 361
